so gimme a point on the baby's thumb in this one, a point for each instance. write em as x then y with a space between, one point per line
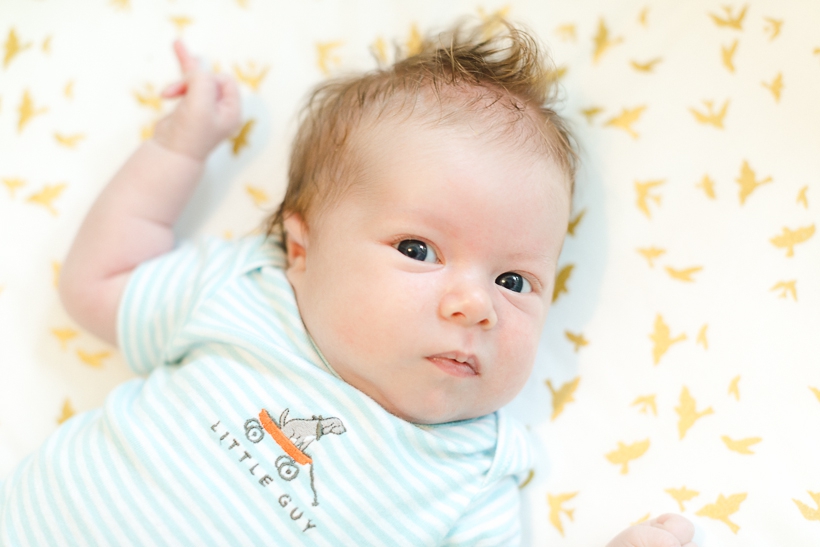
228 102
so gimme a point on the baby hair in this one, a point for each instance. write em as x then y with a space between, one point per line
494 75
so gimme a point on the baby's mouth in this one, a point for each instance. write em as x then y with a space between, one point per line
457 364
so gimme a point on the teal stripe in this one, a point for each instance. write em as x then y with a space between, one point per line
215 483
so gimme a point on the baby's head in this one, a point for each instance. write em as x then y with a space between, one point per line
426 208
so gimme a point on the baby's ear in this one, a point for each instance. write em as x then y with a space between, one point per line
295 241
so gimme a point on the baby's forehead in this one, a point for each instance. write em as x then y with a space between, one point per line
478 119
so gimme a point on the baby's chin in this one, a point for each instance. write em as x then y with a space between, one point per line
430 412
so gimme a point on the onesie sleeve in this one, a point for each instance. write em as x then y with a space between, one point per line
494 516
160 297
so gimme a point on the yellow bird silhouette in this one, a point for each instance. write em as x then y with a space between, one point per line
642 189
64 335
789 238
13 47
556 504
647 403
69 141
710 117
730 20
149 98
180 22
802 199
147 130
47 195
47 44
662 339
243 3
642 17
93 359
526 481
734 389
648 66
816 392
626 453
252 77
567 32
776 86
240 140
258 195
681 495
66 412
687 412
683 275
727 55
602 41
577 339
27 111
562 396
379 51
324 57
55 273
121 4
414 41
591 112
492 20
701 339
573 223
12 185
641 519
747 181
626 119
787 287
740 446
773 26
557 73
68 90
650 254
708 186
723 508
561 281
808 512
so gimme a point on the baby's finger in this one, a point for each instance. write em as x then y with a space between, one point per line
229 102
676 525
187 62
174 90
227 90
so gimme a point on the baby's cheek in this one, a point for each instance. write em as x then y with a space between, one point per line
518 345
373 319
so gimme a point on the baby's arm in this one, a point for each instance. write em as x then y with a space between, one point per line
665 531
132 219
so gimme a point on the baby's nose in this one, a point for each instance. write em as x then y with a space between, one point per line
469 305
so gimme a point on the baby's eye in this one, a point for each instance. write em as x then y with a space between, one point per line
513 282
417 250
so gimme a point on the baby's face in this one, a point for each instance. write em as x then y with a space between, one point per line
426 287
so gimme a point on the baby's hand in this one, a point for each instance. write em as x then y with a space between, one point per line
665 531
208 112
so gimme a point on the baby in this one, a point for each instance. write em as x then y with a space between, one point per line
338 380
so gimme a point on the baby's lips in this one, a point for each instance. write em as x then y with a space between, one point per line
461 357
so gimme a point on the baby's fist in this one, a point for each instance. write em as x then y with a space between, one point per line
665 531
208 112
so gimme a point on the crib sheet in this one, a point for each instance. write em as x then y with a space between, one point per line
679 369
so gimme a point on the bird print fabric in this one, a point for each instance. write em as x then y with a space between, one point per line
678 369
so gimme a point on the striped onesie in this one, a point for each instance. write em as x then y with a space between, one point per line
239 433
